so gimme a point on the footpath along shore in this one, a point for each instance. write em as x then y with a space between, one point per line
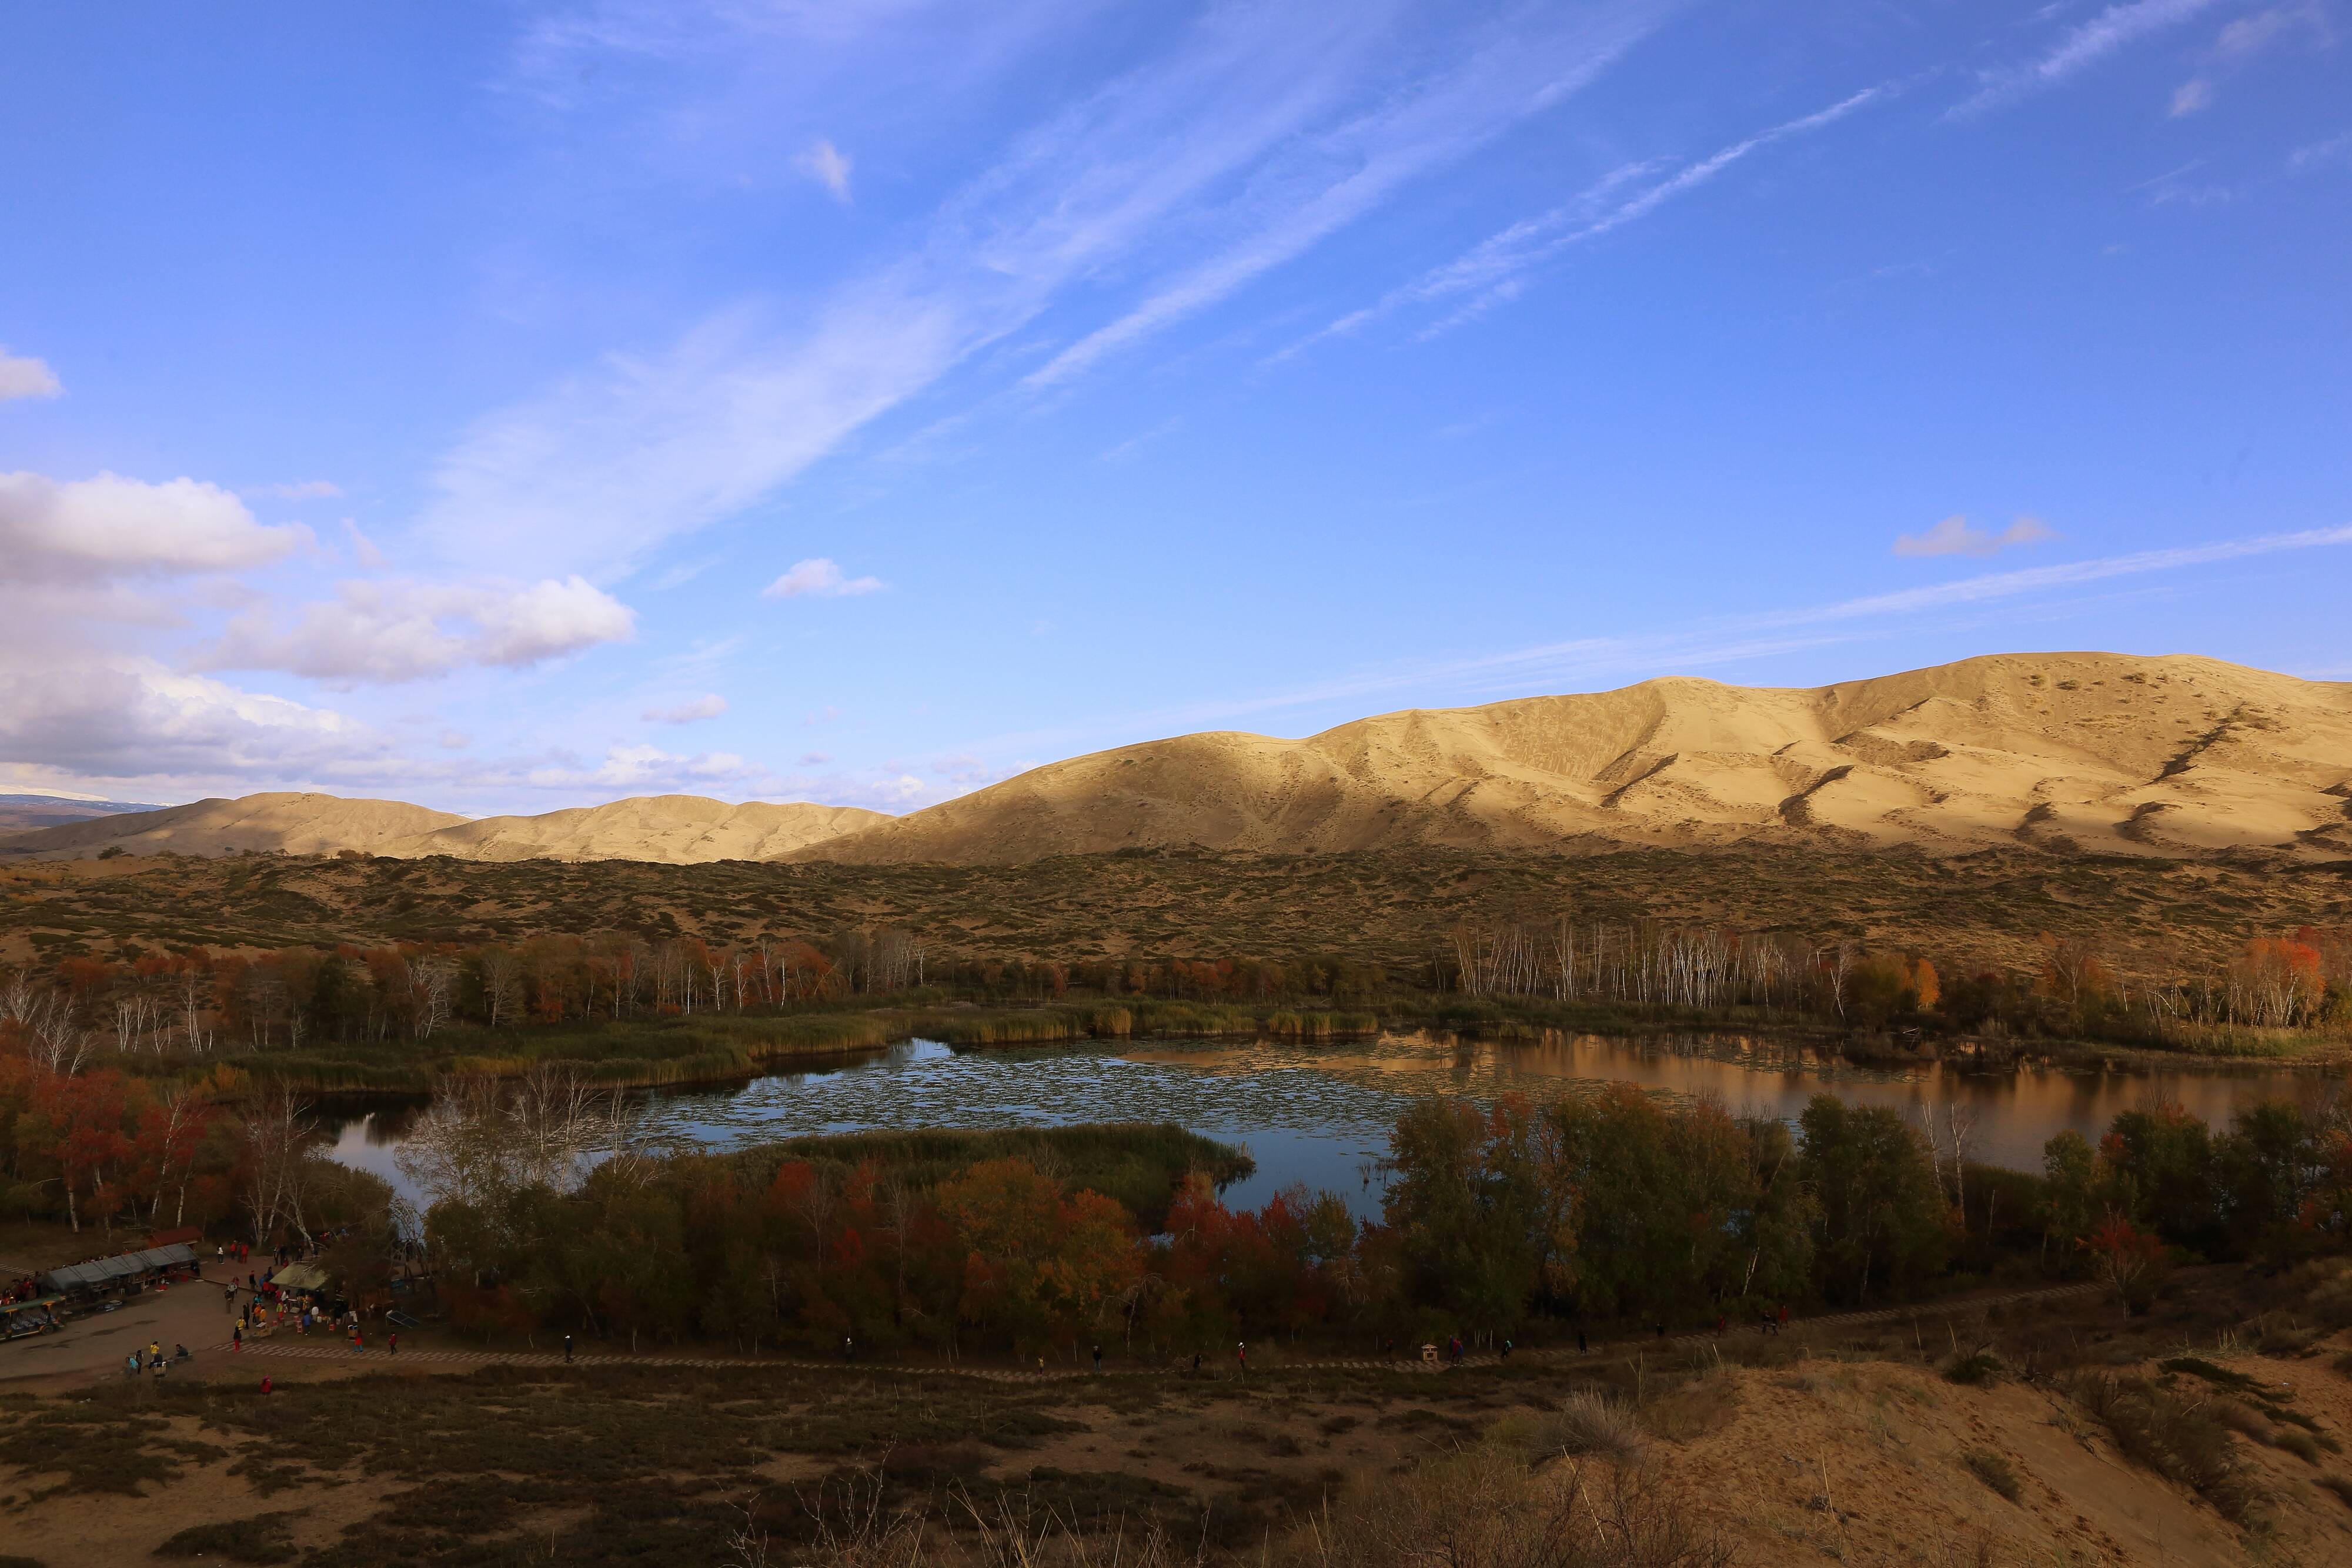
341 1354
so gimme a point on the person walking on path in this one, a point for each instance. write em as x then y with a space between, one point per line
1241 1353
567 1350
392 1343
1581 1346
228 1298
1098 1361
236 1337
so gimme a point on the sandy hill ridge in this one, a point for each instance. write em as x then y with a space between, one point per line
677 830
2175 756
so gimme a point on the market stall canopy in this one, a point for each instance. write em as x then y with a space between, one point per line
300 1277
100 1272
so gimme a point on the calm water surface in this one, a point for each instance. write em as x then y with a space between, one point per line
1320 1115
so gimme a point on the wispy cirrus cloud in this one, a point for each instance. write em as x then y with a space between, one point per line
709 706
1705 644
1508 78
2335 150
2245 39
2084 46
1494 270
1260 133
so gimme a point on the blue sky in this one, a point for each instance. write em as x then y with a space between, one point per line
509 406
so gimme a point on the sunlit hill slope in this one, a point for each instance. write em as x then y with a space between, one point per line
2174 756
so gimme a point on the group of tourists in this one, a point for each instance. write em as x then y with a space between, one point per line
271 1308
152 1360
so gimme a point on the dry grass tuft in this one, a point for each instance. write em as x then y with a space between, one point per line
1481 1508
1995 1471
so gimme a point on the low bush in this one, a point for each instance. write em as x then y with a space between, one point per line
2179 1438
1995 1471
1589 1422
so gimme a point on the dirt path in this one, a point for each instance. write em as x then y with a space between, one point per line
319 1349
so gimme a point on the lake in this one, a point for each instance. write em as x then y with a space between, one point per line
1320 1115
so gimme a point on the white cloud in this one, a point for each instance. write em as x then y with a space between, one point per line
2084 46
701 708
2191 96
1954 535
642 768
829 167
549 620
135 718
307 490
93 531
820 579
405 630
22 376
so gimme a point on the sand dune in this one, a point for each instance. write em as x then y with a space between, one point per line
675 829
2174 756
301 824
2103 753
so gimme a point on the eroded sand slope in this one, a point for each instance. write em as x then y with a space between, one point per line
2174 755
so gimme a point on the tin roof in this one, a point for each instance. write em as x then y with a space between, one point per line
101 1271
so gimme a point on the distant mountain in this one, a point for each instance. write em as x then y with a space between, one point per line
677 828
19 813
2174 756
